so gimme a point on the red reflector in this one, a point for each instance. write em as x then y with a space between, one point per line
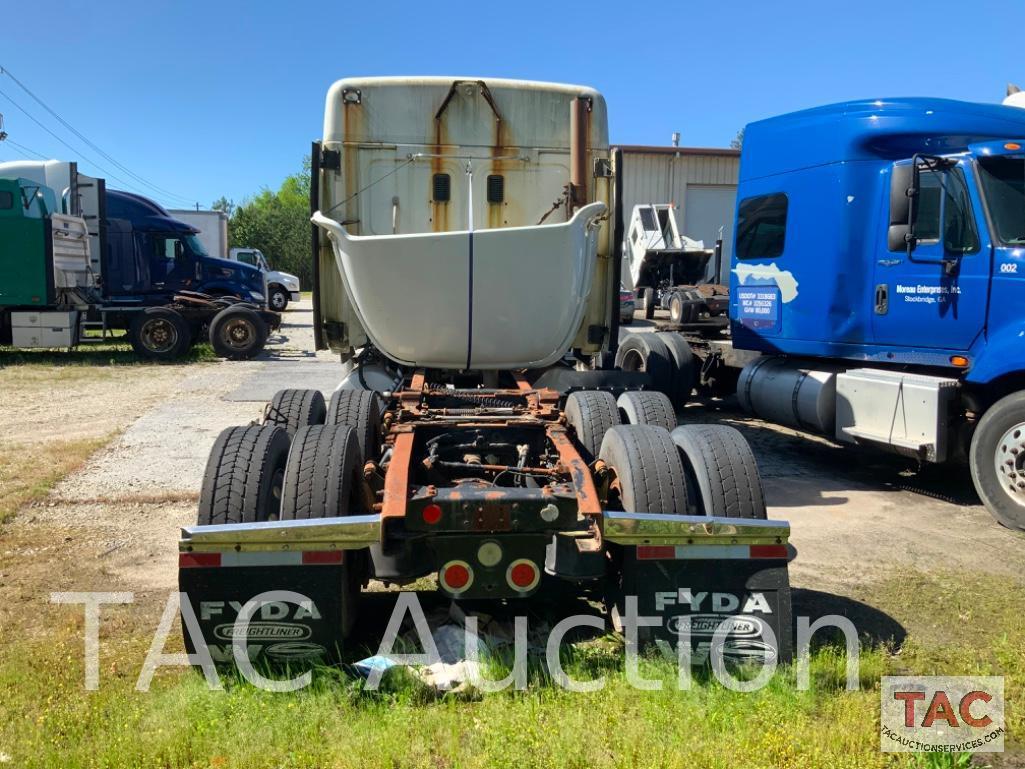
322 556
768 551
523 574
197 560
456 576
432 514
652 552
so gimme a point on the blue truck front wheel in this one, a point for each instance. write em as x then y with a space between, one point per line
997 460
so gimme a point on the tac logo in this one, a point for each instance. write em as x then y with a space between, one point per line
942 714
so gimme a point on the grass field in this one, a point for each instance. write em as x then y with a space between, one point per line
47 719
28 473
109 352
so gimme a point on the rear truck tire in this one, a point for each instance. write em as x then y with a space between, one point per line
244 476
361 410
322 475
591 413
646 407
160 333
684 374
722 474
277 298
676 308
323 479
997 460
238 333
648 297
295 408
647 353
649 472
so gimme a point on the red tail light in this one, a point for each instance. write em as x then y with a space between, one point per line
523 575
456 576
432 514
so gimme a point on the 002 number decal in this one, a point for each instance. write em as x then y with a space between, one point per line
1009 267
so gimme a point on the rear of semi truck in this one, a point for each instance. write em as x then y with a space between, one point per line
466 268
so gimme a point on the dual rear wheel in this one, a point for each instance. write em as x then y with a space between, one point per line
237 332
666 358
304 462
662 467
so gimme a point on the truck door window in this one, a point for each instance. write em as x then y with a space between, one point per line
648 220
164 248
6 201
246 257
1003 182
762 226
943 207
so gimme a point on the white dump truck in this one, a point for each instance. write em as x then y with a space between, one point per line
466 269
667 269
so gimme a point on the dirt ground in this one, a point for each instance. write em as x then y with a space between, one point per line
856 516
113 525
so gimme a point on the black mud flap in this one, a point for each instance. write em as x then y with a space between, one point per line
307 627
747 598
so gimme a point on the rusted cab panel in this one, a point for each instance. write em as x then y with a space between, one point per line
449 154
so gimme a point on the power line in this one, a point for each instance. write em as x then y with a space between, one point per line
24 149
84 139
106 171
76 132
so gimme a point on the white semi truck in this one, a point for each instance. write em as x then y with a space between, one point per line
464 248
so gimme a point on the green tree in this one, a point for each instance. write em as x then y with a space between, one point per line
278 223
223 204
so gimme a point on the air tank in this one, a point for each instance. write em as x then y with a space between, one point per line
786 392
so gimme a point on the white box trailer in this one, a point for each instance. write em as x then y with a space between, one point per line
212 226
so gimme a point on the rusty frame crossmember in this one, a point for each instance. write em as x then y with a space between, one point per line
412 410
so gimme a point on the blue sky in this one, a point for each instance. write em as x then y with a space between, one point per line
212 98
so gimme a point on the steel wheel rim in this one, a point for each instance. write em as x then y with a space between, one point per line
238 333
159 335
632 361
676 309
1009 462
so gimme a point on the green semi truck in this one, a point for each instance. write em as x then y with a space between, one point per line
91 260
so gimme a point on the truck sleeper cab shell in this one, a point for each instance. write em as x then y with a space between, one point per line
488 299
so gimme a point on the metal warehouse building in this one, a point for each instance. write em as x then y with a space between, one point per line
701 182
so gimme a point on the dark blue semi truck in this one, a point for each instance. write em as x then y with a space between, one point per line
133 268
877 290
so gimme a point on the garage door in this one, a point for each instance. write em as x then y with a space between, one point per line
706 210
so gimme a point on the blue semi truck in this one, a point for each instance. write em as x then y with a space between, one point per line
879 269
78 257
877 288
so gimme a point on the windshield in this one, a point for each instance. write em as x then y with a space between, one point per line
195 246
1003 179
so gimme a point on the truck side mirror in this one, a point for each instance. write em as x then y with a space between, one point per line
179 250
903 192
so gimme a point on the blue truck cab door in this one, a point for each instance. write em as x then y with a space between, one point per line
936 295
173 265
